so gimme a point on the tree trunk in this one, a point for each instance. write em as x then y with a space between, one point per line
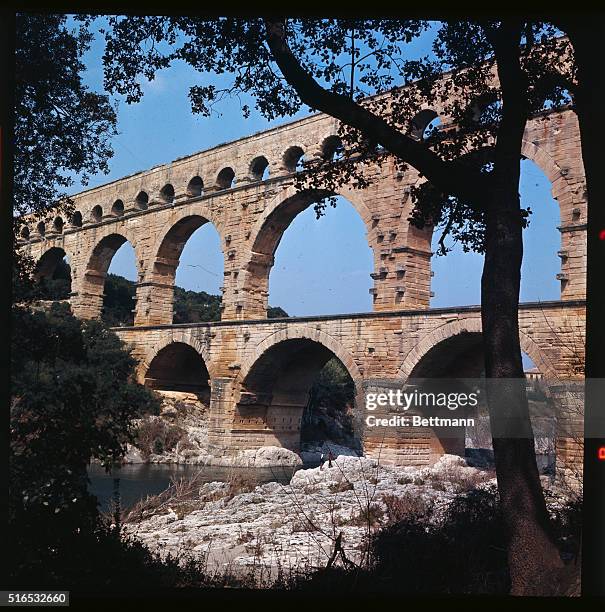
533 557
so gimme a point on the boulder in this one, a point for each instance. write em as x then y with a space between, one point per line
265 456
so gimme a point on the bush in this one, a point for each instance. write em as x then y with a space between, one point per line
156 436
405 507
73 400
462 551
106 559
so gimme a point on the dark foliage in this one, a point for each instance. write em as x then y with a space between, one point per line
72 400
59 286
189 306
102 558
195 306
276 312
62 128
328 413
24 290
462 553
118 301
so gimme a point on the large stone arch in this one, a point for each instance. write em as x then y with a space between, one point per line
470 326
560 185
47 263
272 389
155 292
568 188
564 192
90 281
48 260
303 332
178 214
308 197
266 235
177 336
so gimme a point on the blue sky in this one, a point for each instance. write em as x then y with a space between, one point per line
321 266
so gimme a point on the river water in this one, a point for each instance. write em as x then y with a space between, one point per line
137 481
140 480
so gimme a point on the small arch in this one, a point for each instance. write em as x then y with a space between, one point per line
76 219
178 367
52 275
58 224
167 194
195 188
421 122
24 233
293 159
225 178
117 209
332 148
96 214
41 228
142 200
259 168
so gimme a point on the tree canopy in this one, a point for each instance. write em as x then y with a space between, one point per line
343 67
63 130
73 399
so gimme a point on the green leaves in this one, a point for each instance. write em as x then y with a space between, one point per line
74 401
62 129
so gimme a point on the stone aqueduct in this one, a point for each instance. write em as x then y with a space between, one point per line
258 371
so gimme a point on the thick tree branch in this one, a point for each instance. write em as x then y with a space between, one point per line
451 177
513 85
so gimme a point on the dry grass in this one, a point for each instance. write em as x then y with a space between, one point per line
462 480
184 496
370 515
155 436
407 506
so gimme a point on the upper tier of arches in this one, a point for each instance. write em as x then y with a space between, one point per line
247 191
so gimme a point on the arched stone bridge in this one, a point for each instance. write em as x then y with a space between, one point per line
259 371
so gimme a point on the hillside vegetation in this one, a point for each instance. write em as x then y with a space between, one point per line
189 306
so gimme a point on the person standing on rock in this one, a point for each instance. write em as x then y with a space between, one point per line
330 458
322 460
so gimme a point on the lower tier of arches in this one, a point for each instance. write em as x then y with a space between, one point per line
257 377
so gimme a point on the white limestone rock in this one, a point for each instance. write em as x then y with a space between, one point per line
265 456
133 455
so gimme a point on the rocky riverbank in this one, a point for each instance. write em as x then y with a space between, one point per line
236 528
179 435
260 532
